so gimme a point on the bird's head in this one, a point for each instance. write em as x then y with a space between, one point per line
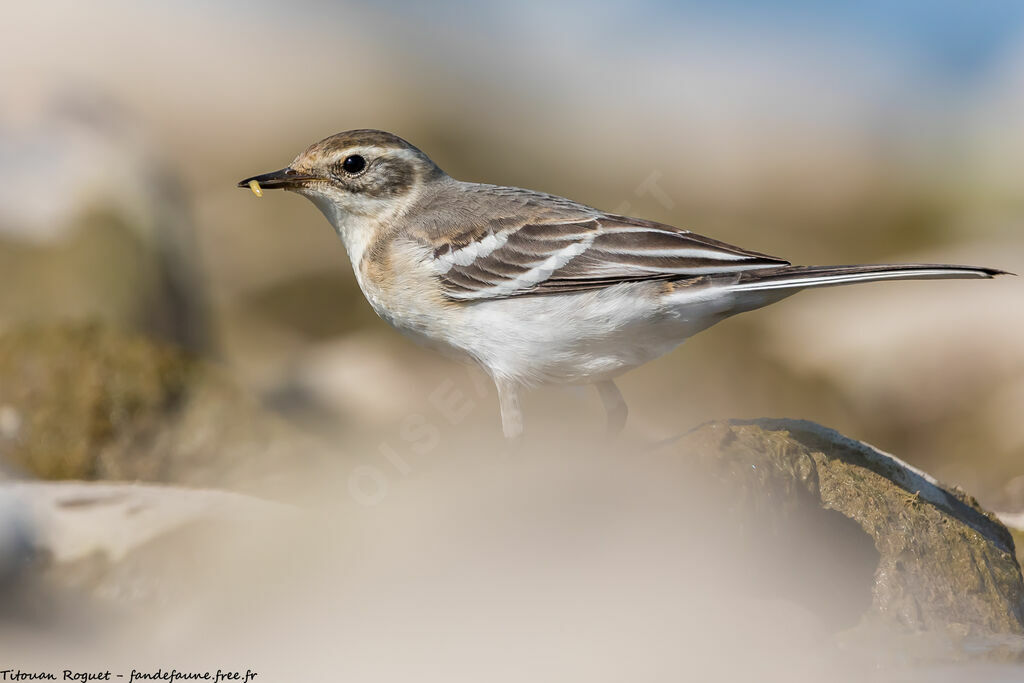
358 172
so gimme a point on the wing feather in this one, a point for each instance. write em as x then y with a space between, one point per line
600 251
539 244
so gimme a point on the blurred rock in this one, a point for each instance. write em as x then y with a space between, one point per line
17 539
94 224
943 564
112 541
783 540
85 401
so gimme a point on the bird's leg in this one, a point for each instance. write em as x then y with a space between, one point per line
511 413
614 405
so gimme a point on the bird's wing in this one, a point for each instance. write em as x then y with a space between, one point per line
587 250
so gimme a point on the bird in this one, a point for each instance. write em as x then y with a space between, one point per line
533 287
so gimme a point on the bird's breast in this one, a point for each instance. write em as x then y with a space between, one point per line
403 290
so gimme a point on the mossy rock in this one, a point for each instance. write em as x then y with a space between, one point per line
941 563
70 391
89 401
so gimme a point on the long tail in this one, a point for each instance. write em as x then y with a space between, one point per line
801 277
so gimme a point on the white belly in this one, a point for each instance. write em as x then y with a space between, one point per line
566 338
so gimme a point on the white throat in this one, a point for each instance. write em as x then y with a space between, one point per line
358 225
355 230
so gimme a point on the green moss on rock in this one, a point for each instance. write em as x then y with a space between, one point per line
89 401
73 389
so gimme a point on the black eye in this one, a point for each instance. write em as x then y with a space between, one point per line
353 164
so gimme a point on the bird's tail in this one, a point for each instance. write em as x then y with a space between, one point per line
794 278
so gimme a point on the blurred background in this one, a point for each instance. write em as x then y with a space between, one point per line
824 133
157 324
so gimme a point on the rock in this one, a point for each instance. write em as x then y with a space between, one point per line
110 541
17 539
86 401
1014 521
941 563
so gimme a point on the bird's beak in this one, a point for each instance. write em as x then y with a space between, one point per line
286 178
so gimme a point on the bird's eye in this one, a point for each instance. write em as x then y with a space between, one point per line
353 164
